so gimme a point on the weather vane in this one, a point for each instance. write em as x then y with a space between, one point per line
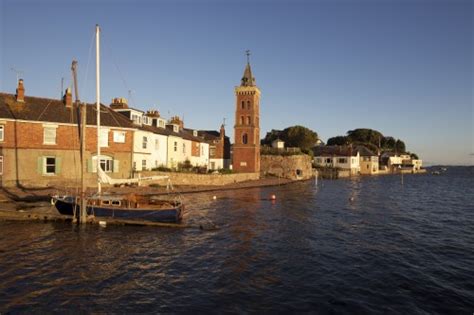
247 52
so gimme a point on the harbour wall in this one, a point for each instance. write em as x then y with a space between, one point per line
191 179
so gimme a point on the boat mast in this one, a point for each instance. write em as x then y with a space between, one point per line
82 132
97 73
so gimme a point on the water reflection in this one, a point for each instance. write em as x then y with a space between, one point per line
310 250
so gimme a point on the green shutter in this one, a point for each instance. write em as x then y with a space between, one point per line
116 166
89 165
39 165
58 165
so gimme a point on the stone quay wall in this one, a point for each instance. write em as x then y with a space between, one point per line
191 179
294 167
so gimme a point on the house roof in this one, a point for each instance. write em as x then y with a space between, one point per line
209 134
334 150
363 151
55 111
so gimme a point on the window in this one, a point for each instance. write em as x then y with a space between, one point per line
104 137
2 128
242 120
202 150
328 161
134 165
342 160
175 128
145 142
245 138
243 104
49 165
162 124
248 120
184 148
49 135
248 104
1 164
212 152
175 146
143 164
243 163
157 144
106 164
119 136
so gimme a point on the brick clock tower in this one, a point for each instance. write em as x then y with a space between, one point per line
246 158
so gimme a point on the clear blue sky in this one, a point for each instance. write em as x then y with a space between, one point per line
403 67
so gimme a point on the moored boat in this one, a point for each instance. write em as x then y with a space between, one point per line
128 207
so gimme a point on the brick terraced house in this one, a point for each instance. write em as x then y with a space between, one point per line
39 143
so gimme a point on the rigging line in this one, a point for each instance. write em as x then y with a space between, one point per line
108 51
83 87
44 110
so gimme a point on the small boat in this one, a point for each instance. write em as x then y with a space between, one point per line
435 173
127 207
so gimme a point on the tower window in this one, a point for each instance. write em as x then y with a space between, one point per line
248 104
245 138
243 104
249 120
242 120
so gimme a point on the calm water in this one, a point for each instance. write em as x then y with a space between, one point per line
346 246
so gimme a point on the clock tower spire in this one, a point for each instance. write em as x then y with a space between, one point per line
246 158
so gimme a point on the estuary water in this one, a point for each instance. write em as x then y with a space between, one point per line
363 245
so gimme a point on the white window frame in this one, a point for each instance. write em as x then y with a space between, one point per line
157 144
108 162
1 164
49 139
45 165
184 148
2 132
144 142
176 146
119 136
144 165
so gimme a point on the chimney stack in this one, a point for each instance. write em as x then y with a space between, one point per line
222 133
67 99
20 92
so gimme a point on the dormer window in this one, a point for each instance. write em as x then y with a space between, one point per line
175 128
195 133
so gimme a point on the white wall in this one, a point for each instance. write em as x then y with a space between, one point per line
154 155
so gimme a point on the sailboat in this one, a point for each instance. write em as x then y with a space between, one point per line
130 206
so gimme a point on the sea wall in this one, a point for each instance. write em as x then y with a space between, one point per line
192 179
333 173
294 167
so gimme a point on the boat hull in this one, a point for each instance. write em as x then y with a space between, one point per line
66 206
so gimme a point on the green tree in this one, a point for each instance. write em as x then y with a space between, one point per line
338 140
365 135
300 137
388 143
400 146
271 136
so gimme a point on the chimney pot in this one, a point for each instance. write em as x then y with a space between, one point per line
67 99
20 91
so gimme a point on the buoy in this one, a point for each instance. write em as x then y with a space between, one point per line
103 223
214 197
273 197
